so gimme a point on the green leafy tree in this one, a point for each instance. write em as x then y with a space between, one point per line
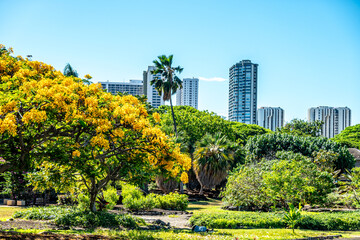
349 137
167 83
302 128
267 145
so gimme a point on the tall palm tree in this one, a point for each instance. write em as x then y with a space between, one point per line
165 80
214 156
70 71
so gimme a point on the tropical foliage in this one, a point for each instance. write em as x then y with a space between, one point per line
266 146
165 80
302 128
214 157
75 133
349 137
291 178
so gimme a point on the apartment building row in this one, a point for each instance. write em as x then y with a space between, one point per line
188 95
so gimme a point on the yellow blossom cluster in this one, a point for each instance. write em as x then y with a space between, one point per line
45 95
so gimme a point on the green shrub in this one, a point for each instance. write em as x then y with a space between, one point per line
42 213
137 204
88 219
171 201
111 196
239 220
63 216
134 200
292 178
317 221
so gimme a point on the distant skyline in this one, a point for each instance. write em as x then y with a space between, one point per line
308 51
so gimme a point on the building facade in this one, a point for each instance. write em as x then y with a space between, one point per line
243 92
270 117
134 87
151 93
188 95
335 119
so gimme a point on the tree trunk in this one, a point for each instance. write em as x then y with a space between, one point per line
93 201
173 117
175 130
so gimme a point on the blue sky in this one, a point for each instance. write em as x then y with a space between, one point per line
308 51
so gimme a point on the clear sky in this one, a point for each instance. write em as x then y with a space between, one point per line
308 51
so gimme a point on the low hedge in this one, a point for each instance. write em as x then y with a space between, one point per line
314 221
72 217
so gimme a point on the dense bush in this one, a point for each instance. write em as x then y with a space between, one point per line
171 201
63 216
42 213
267 145
315 221
88 219
292 178
134 200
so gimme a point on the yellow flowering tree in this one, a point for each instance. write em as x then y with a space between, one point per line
78 133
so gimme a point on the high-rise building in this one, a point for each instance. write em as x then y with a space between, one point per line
188 95
134 87
335 119
243 92
270 117
152 94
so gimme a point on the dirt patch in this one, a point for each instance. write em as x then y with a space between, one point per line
49 236
27 224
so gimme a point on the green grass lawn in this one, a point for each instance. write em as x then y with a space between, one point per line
7 212
218 234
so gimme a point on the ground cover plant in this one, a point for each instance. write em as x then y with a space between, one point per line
315 221
66 216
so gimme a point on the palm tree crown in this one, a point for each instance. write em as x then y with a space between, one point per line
167 83
165 80
70 71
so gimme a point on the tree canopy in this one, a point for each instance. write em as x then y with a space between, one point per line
76 133
267 145
349 137
302 128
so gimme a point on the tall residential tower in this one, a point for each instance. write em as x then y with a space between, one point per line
188 95
243 92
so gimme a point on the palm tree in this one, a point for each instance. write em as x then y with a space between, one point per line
214 156
70 71
165 80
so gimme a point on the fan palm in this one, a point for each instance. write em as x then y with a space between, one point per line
165 80
213 158
70 71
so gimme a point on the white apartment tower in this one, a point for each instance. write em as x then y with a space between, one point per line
270 117
188 95
149 90
134 87
335 119
243 92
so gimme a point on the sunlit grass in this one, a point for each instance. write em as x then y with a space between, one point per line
226 234
7 212
211 205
